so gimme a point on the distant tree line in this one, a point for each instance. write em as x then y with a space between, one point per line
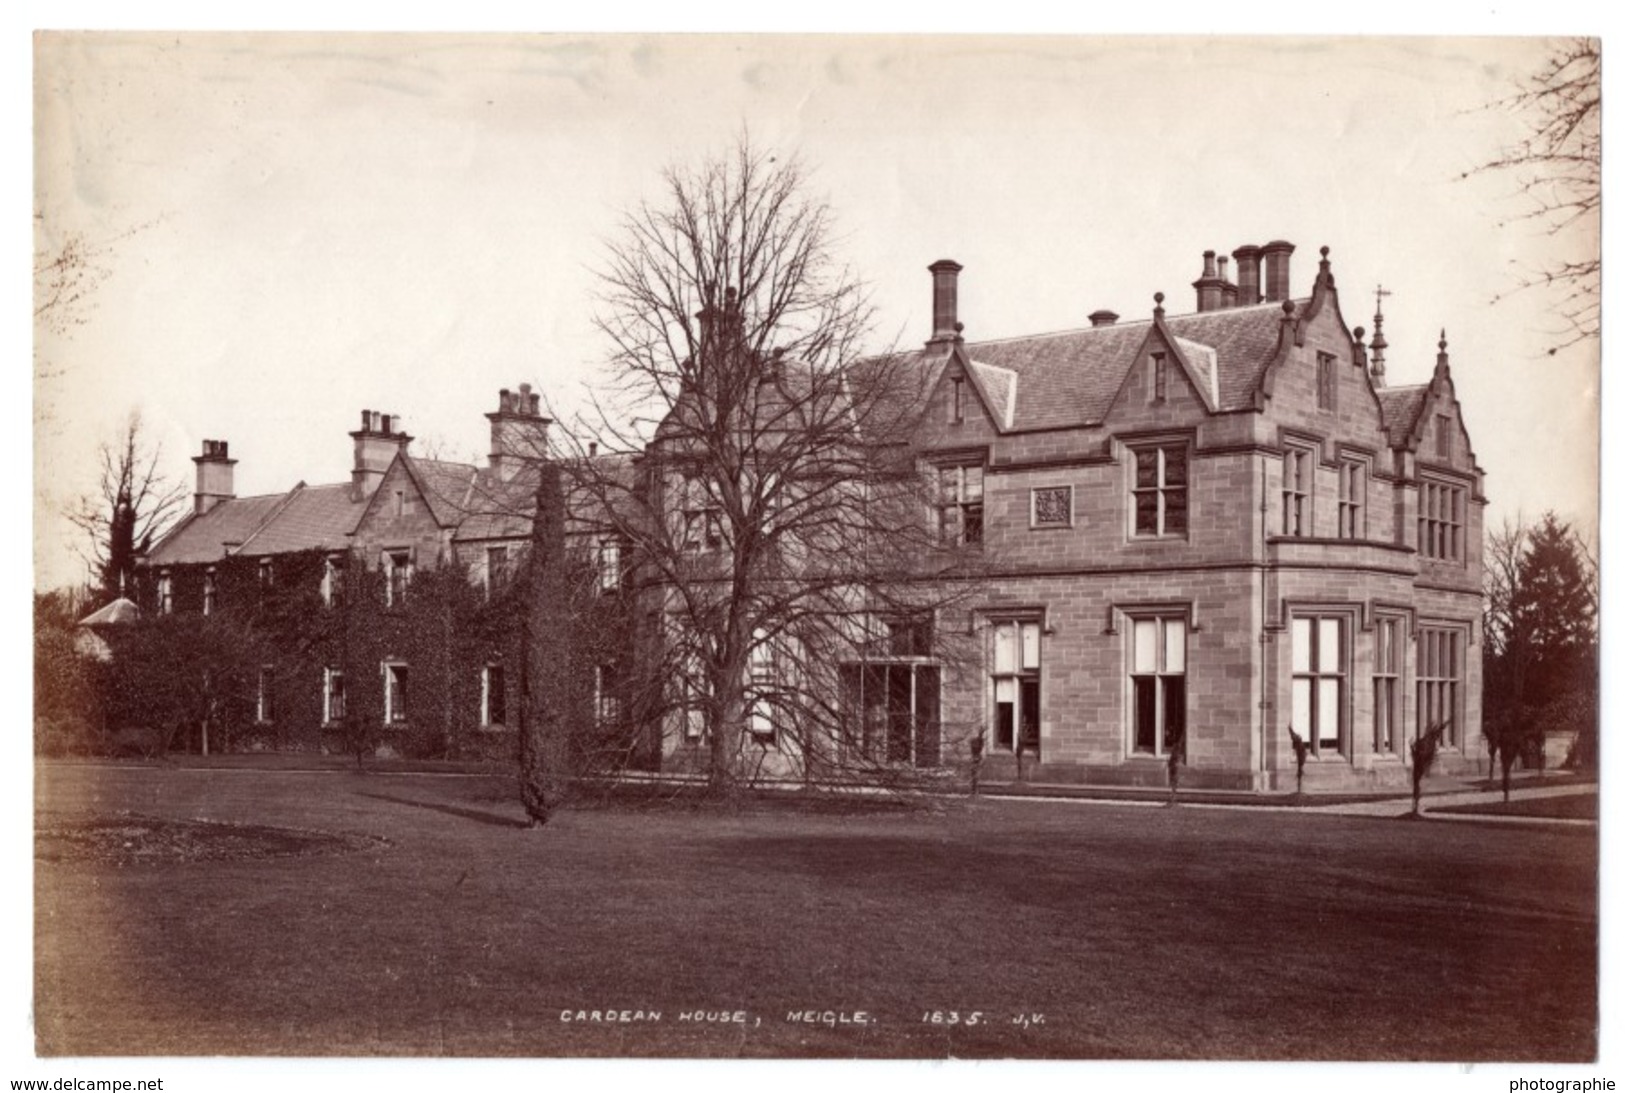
1540 656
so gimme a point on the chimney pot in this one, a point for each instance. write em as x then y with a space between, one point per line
1103 317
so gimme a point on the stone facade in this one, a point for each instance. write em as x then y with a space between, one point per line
1262 538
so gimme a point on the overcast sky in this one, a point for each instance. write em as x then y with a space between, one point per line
300 227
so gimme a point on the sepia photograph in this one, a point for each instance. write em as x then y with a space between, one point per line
805 546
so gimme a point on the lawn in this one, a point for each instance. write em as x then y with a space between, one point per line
416 915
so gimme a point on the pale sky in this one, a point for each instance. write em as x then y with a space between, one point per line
317 224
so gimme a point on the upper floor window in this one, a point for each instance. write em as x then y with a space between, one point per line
1351 483
397 576
166 592
1441 435
1159 377
702 530
959 504
398 505
333 580
609 565
1326 382
1297 517
498 568
210 591
1441 513
607 692
956 405
1161 490
267 573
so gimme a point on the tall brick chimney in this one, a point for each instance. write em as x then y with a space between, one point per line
376 444
945 325
216 476
1277 271
518 430
1247 280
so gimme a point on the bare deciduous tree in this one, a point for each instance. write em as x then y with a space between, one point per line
777 526
1558 171
133 503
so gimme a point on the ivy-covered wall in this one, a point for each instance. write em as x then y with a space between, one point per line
276 632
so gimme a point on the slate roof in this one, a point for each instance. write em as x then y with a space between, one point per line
1070 378
205 538
1401 406
314 518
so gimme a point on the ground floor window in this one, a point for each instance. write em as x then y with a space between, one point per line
763 683
1386 731
1017 685
493 696
265 698
395 676
1319 672
1157 681
607 694
1438 681
892 711
332 696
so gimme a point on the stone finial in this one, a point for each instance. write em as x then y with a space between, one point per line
1157 311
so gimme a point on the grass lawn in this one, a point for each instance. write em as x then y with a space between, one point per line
439 925
1576 807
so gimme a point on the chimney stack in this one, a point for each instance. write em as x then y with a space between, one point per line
1210 287
518 431
1277 271
377 443
1247 281
1103 317
945 325
216 477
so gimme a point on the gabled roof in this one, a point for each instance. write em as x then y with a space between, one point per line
1070 378
206 538
314 518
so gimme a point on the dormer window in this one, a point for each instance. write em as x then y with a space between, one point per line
1159 377
956 407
